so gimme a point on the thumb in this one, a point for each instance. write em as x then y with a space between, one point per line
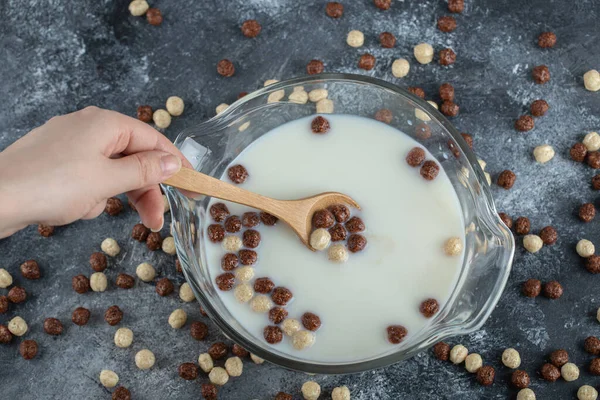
142 169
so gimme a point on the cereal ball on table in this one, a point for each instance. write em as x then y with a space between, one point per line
168 246
526 394
585 248
123 337
400 68
340 393
511 358
161 118
587 392
311 390
28 349
355 38
473 362
185 293
569 372
137 8
532 243
110 247
108 378
458 354
144 359
234 366
5 278
98 282
423 53
218 376
175 106
145 272
543 153
256 359
591 80
177 318
205 362
17 326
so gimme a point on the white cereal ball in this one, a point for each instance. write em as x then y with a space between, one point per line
433 104
177 318
298 89
269 82
261 303
592 141
453 246
256 359
167 207
311 390
473 362
98 282
276 96
290 326
185 293
400 68
205 362
338 253
591 80
110 247
543 153
598 315
168 245
244 126
340 393
423 53
569 372
5 278
303 339
325 106
145 272
320 239
221 107
243 292
422 115
17 326
526 394
123 337
458 354
175 106
533 243
234 366
244 274
218 376
488 178
482 164
108 378
144 359
587 392
161 118
585 248
511 358
355 38
137 8
298 97
317 95
232 244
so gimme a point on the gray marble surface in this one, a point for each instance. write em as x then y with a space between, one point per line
57 57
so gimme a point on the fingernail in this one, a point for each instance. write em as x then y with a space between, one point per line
162 223
170 164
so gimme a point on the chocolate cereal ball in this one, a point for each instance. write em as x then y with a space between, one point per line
315 67
532 288
229 262
277 315
456 6
429 170
45 230
595 366
558 358
209 391
340 212
225 68
539 108
140 232
3 304
154 241
268 219
356 243
225 281
114 206
251 28
546 40
248 257
593 159
250 219
549 372
30 269
592 264
506 220
417 91
263 285
383 4
144 113
520 379
522 226
80 283
429 307
281 295
125 281
587 212
154 18
355 225
5 335
319 125
548 235
311 321
506 179
98 261
233 224
219 212
447 57
251 238
334 9
338 233
384 115
239 351
80 316
17 295
387 40
216 233
449 108
446 24
441 351
540 74
578 152
218 350
323 219
485 375
553 290
164 287
28 349
53 326
273 334
396 333
113 315
524 123
188 371
592 345
446 92
122 393
237 174
198 330
366 62
415 157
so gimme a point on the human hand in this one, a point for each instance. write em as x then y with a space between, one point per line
66 169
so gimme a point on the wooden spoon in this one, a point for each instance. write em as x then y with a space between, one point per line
296 213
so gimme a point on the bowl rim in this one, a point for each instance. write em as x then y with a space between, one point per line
501 232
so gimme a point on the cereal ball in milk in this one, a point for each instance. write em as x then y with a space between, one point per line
453 246
458 354
473 362
243 292
168 245
221 107
218 376
234 366
317 95
256 359
177 318
587 392
205 362
110 247
137 8
17 326
320 239
145 272
325 106
98 282
244 274
526 394
144 359
185 293
5 278
162 119
338 253
123 337
569 372
591 80
532 243
340 393
424 53
592 141
232 244
311 390
400 68
175 106
585 248
303 339
108 378
290 326
511 358
355 38
261 303
543 153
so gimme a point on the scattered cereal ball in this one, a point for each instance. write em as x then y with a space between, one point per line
520 379
417 91
598 315
225 68
486 375
311 390
320 239
220 108
161 118
98 282
549 235
123 337
110 247
366 62
185 293
3 305
453 246
290 326
400 68
383 4
175 106
298 97
422 115
5 335
166 205
137 8
355 38
234 366
587 392
543 153
423 53
261 303
447 57
28 349
256 359
218 376
540 74
107 377
45 230
532 243
17 326
145 272
549 372
587 212
325 106
80 316
243 292
303 339
569 372
592 141
458 354
338 253
441 351
5 278
177 318
232 243
251 28
511 358
488 178
244 274
144 359
154 17
334 9
539 108
317 95
168 245
456 6
578 152
188 371
31 270
340 393
506 179
526 394
546 40
591 80
206 362
473 362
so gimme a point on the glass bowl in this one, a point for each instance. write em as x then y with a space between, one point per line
489 245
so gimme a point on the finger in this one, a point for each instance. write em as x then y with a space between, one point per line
150 206
96 211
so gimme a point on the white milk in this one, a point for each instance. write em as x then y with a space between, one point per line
408 220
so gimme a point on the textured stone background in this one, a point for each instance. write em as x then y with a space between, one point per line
56 60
